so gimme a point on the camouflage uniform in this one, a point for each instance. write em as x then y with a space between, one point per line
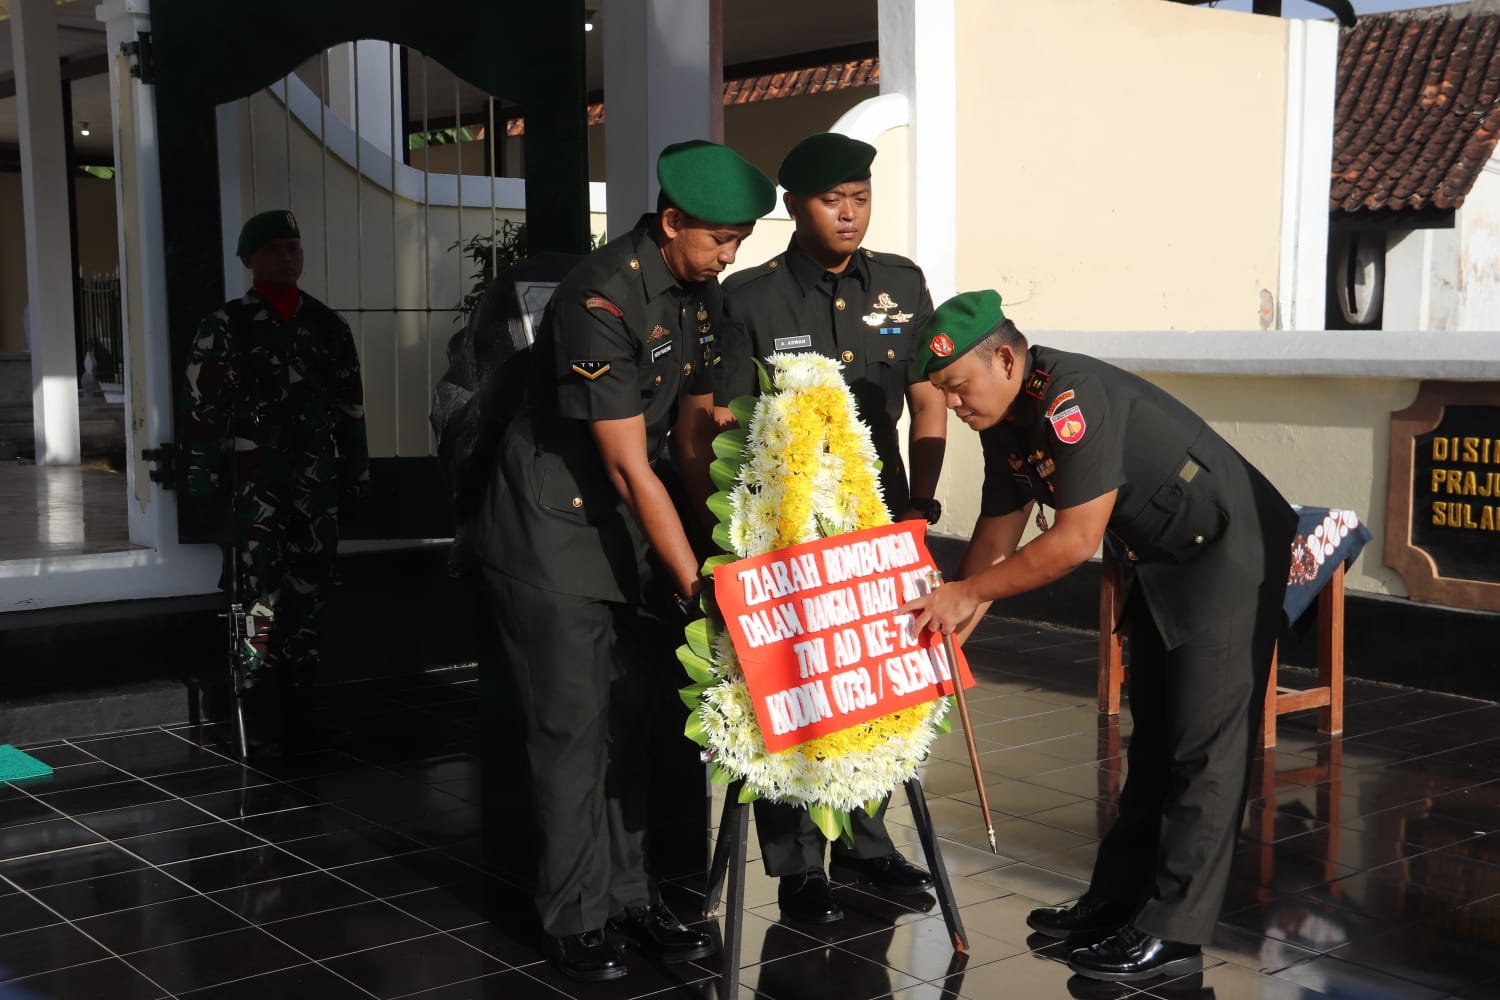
283 400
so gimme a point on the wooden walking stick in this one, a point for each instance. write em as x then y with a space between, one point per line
935 581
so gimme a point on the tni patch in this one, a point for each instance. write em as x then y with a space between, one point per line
591 370
599 302
1069 425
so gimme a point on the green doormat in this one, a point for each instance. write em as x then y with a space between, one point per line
15 765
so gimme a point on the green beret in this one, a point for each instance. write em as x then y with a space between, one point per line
261 229
956 326
823 161
713 183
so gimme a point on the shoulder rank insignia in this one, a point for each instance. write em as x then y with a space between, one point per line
1036 383
591 370
599 302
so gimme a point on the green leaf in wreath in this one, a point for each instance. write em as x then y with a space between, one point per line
946 726
730 446
743 409
767 385
717 775
697 667
720 506
726 475
826 819
846 829
721 537
747 794
694 729
692 695
700 638
713 562
872 807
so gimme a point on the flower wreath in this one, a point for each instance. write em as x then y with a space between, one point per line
801 467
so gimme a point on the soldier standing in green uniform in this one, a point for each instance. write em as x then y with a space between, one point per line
1207 546
276 425
826 293
585 558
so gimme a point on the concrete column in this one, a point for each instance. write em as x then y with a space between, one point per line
662 84
359 89
165 567
49 258
917 45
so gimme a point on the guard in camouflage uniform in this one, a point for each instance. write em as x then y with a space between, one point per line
276 429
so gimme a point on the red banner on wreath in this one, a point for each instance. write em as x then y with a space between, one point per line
818 637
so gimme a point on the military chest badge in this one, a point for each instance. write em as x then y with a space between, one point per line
657 332
591 370
884 302
702 313
899 317
942 345
873 319
1069 425
802 343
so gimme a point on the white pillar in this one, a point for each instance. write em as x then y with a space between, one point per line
359 78
917 46
660 87
1311 68
49 257
170 568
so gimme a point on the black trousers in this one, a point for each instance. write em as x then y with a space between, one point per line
1196 712
583 670
791 843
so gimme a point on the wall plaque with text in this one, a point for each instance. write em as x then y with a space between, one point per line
1442 529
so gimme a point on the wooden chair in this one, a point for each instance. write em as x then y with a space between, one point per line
1327 695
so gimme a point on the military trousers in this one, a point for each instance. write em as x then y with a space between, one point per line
1196 712
581 670
791 843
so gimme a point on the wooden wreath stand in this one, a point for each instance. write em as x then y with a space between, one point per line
729 865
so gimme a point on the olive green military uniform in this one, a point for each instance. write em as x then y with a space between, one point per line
867 317
1206 544
582 612
282 401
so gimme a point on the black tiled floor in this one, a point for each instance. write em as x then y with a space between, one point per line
1372 870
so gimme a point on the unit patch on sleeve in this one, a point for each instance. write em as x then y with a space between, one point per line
599 302
1062 398
591 370
1069 425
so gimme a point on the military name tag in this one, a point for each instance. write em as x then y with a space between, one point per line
660 351
792 343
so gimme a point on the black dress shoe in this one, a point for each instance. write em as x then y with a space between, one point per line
807 897
584 956
658 933
893 873
1085 917
1130 955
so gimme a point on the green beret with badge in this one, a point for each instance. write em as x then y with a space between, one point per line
258 230
823 161
956 326
713 183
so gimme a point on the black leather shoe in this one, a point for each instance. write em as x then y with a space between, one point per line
658 933
1130 955
584 956
1079 919
807 897
893 873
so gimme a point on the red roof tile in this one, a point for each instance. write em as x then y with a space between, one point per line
769 87
1418 108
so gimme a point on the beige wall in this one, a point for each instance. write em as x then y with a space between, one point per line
1119 162
98 246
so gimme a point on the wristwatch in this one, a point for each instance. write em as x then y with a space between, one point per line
927 507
